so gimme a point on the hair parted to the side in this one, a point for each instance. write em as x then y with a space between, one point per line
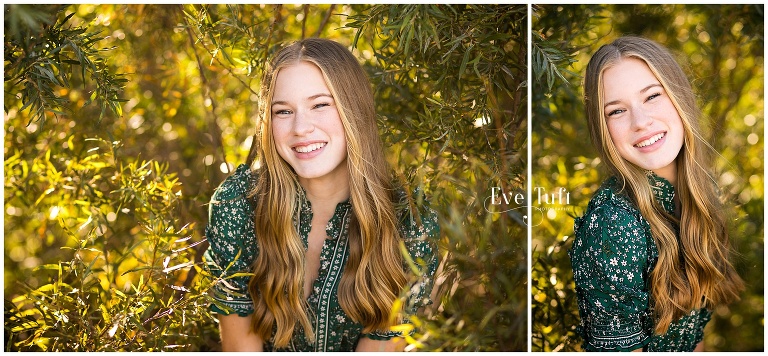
696 271
374 275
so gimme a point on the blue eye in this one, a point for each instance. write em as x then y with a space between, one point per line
317 106
616 112
653 97
281 112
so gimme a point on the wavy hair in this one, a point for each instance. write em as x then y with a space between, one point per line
374 275
696 271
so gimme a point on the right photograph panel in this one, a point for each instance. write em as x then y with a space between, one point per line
647 197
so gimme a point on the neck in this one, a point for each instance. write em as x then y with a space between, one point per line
669 173
326 192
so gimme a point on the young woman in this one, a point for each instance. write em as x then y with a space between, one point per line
651 254
319 224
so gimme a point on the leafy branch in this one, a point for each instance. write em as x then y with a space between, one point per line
549 62
39 56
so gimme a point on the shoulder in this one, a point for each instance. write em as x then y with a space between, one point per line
232 242
611 227
420 231
608 208
238 185
611 193
416 218
418 226
230 214
609 260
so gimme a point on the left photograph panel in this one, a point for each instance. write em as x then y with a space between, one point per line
265 177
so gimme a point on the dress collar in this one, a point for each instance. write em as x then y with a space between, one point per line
664 192
337 225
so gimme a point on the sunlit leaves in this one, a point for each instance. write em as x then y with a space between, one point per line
548 61
113 295
41 58
449 85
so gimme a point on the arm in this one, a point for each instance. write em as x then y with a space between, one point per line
608 260
232 249
369 345
420 235
237 335
699 347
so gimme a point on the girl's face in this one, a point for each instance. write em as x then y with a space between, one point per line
643 123
306 125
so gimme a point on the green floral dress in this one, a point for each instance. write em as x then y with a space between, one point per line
612 258
233 248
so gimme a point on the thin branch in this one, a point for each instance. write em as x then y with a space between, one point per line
325 21
275 20
252 151
305 8
213 121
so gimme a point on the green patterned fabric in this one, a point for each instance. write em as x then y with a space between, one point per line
612 259
233 248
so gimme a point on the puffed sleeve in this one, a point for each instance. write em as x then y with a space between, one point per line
420 232
609 260
232 244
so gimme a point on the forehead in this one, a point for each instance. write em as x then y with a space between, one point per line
299 81
627 75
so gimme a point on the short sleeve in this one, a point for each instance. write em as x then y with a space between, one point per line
232 244
420 233
609 260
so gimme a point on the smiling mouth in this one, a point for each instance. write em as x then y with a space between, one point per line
310 147
651 140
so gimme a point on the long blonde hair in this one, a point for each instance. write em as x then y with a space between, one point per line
695 271
374 275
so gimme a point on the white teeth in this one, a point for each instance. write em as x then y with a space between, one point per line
650 141
310 148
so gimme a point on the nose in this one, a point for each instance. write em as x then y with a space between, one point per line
640 119
302 124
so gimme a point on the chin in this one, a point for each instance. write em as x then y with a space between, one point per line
310 174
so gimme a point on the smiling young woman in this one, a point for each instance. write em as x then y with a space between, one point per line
642 120
651 254
306 124
317 224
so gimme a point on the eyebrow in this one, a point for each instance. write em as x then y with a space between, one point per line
614 102
310 98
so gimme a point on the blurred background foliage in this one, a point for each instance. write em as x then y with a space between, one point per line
120 120
721 47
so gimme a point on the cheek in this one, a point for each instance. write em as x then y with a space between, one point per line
615 132
340 133
668 111
337 128
280 139
679 130
675 120
617 135
278 132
